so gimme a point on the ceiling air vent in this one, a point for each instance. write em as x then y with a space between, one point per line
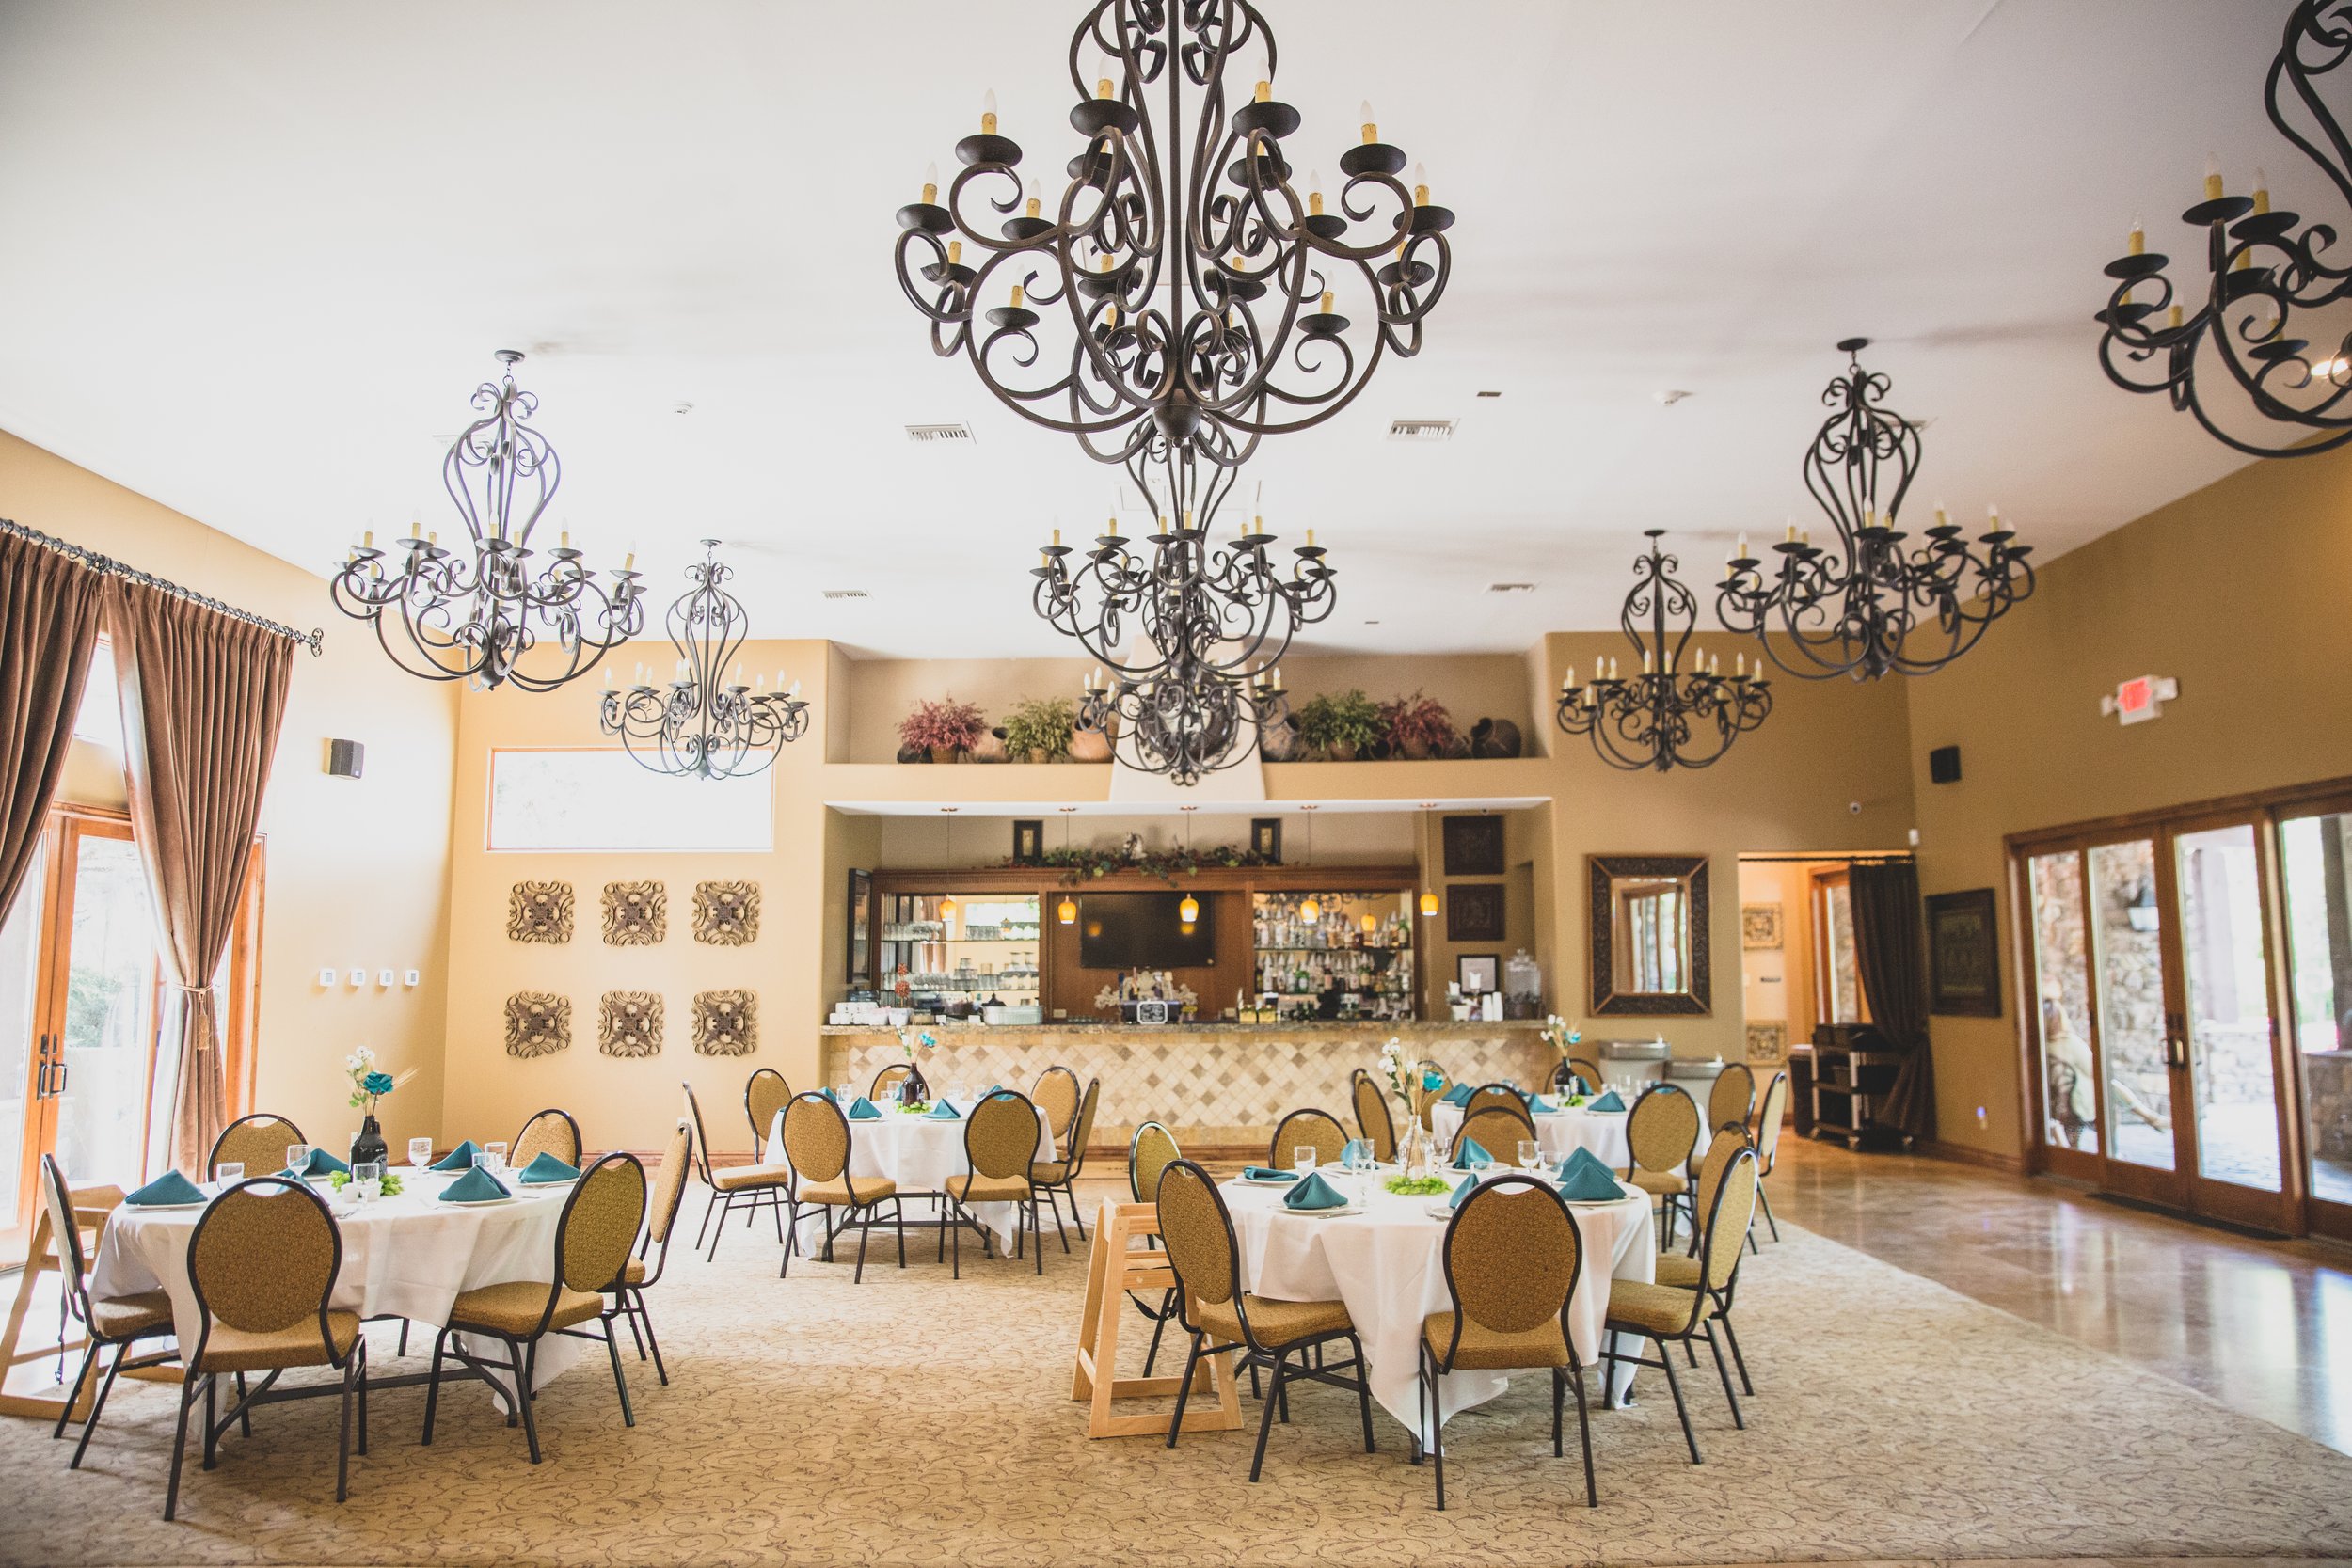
1420 430
845 592
936 434
1510 588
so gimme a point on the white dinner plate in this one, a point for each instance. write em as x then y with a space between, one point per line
475 1202
1438 1208
1270 1180
1595 1202
165 1207
1350 1208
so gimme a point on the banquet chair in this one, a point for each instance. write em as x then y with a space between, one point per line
1057 1095
1498 1129
765 1094
116 1322
1212 1307
1371 1114
817 1145
1512 1255
1659 1135
1502 1097
1308 1126
1661 1313
1151 1150
257 1142
886 1082
1767 1120
669 1190
999 1150
1733 1097
1425 1095
1682 1268
262 1262
1057 1179
593 1241
1588 1070
551 1131
750 1187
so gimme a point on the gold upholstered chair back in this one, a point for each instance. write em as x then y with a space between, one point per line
1727 1219
763 1097
1057 1095
1663 1129
1767 1120
1588 1070
1732 1097
1151 1151
1000 1136
65 1237
1371 1114
1498 1131
1730 1139
669 1187
257 1142
1497 1097
816 1138
551 1131
1199 1236
600 1223
1512 1253
1074 1153
886 1082
264 1257
1308 1126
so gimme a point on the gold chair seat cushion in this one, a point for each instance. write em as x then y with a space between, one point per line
1652 1309
635 1273
1275 1323
749 1178
1678 1271
234 1350
131 1317
870 1189
1049 1173
988 1189
515 1305
1485 1349
1665 1183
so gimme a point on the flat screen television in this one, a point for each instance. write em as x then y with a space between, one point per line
1140 930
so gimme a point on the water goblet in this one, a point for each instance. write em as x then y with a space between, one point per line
494 1156
420 1152
227 1174
298 1158
367 1179
1531 1154
1302 1158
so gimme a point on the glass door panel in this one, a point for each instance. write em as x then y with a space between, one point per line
2231 1079
21 1064
2313 854
2061 968
2128 948
108 1028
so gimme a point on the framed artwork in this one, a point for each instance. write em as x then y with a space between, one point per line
1963 959
861 925
1265 838
1473 846
1768 1041
1473 911
1478 972
1029 841
1759 927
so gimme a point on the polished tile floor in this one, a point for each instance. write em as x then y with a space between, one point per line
2265 1327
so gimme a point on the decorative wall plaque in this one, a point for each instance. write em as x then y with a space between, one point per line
726 1023
1759 927
540 911
636 914
1768 1041
538 1023
1473 911
726 914
630 1023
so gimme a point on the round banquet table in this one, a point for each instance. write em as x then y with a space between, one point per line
1559 1133
1386 1264
919 1153
405 1256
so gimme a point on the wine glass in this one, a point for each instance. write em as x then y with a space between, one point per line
420 1152
1531 1154
227 1174
1302 1158
494 1157
298 1158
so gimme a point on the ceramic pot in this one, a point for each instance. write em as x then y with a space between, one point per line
946 753
1340 750
1089 746
914 753
991 749
1414 751
1279 741
1494 738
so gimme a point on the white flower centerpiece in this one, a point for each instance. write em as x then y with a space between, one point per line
1565 1039
1416 1153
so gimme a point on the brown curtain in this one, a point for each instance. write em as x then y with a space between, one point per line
49 609
1890 957
203 696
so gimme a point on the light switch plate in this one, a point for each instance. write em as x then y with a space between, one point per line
384 977
413 979
359 977
326 977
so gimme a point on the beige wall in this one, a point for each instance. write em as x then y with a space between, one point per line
2239 590
358 869
1779 982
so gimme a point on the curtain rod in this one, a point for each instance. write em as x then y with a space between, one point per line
1872 857
111 567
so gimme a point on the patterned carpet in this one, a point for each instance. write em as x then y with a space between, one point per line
916 1420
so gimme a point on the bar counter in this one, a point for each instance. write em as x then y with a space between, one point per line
1220 1088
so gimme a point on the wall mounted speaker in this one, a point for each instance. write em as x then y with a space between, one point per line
1944 765
343 758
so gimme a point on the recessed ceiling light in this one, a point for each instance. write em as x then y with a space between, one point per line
1510 588
1671 396
1420 430
1491 394
1372 623
934 434
845 592
683 408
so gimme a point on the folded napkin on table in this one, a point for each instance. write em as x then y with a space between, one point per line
1583 1179
1267 1173
1314 1192
942 1111
1461 1193
1578 1085
547 1167
1609 1101
863 1110
171 1187
322 1164
460 1158
473 1187
1458 1094
1473 1155
1541 1106
831 1095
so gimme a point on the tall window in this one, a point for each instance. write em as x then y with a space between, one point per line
1836 982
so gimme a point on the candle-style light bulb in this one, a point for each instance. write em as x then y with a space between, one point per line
2261 191
1311 539
2137 243
1743 546
1103 84
1330 301
931 184
1314 192
1792 531
1363 113
628 562
1036 198
1016 296
1569 681
988 112
2213 178
367 540
792 690
1421 184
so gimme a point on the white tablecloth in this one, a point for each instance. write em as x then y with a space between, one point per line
1386 1264
1560 1135
404 1256
919 1154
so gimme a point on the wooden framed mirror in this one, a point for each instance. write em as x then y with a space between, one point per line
1648 917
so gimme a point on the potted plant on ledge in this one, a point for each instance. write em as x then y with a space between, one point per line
1038 729
1341 727
943 731
1416 729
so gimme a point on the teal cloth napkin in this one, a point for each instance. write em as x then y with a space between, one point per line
547 1167
829 1094
171 1187
1584 1180
1267 1173
863 1110
942 1111
322 1164
1314 1192
460 1158
1607 1101
1458 1094
1473 1155
1578 1085
1462 1192
1540 1105
472 1187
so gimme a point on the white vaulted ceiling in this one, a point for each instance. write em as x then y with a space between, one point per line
257 254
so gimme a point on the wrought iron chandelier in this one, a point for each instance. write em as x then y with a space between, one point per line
1198 288
1670 715
1868 604
1187 639
2244 355
474 613
703 725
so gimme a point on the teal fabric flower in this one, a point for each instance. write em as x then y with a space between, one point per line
377 1083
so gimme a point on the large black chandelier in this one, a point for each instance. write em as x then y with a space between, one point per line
1673 713
2243 357
1198 288
473 614
705 722
1870 602
1186 636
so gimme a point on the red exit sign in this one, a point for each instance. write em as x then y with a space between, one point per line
2141 699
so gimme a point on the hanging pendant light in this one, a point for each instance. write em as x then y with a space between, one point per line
947 904
1310 908
1428 895
1428 904
1067 911
1188 910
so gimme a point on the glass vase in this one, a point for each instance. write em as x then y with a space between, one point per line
1416 1151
